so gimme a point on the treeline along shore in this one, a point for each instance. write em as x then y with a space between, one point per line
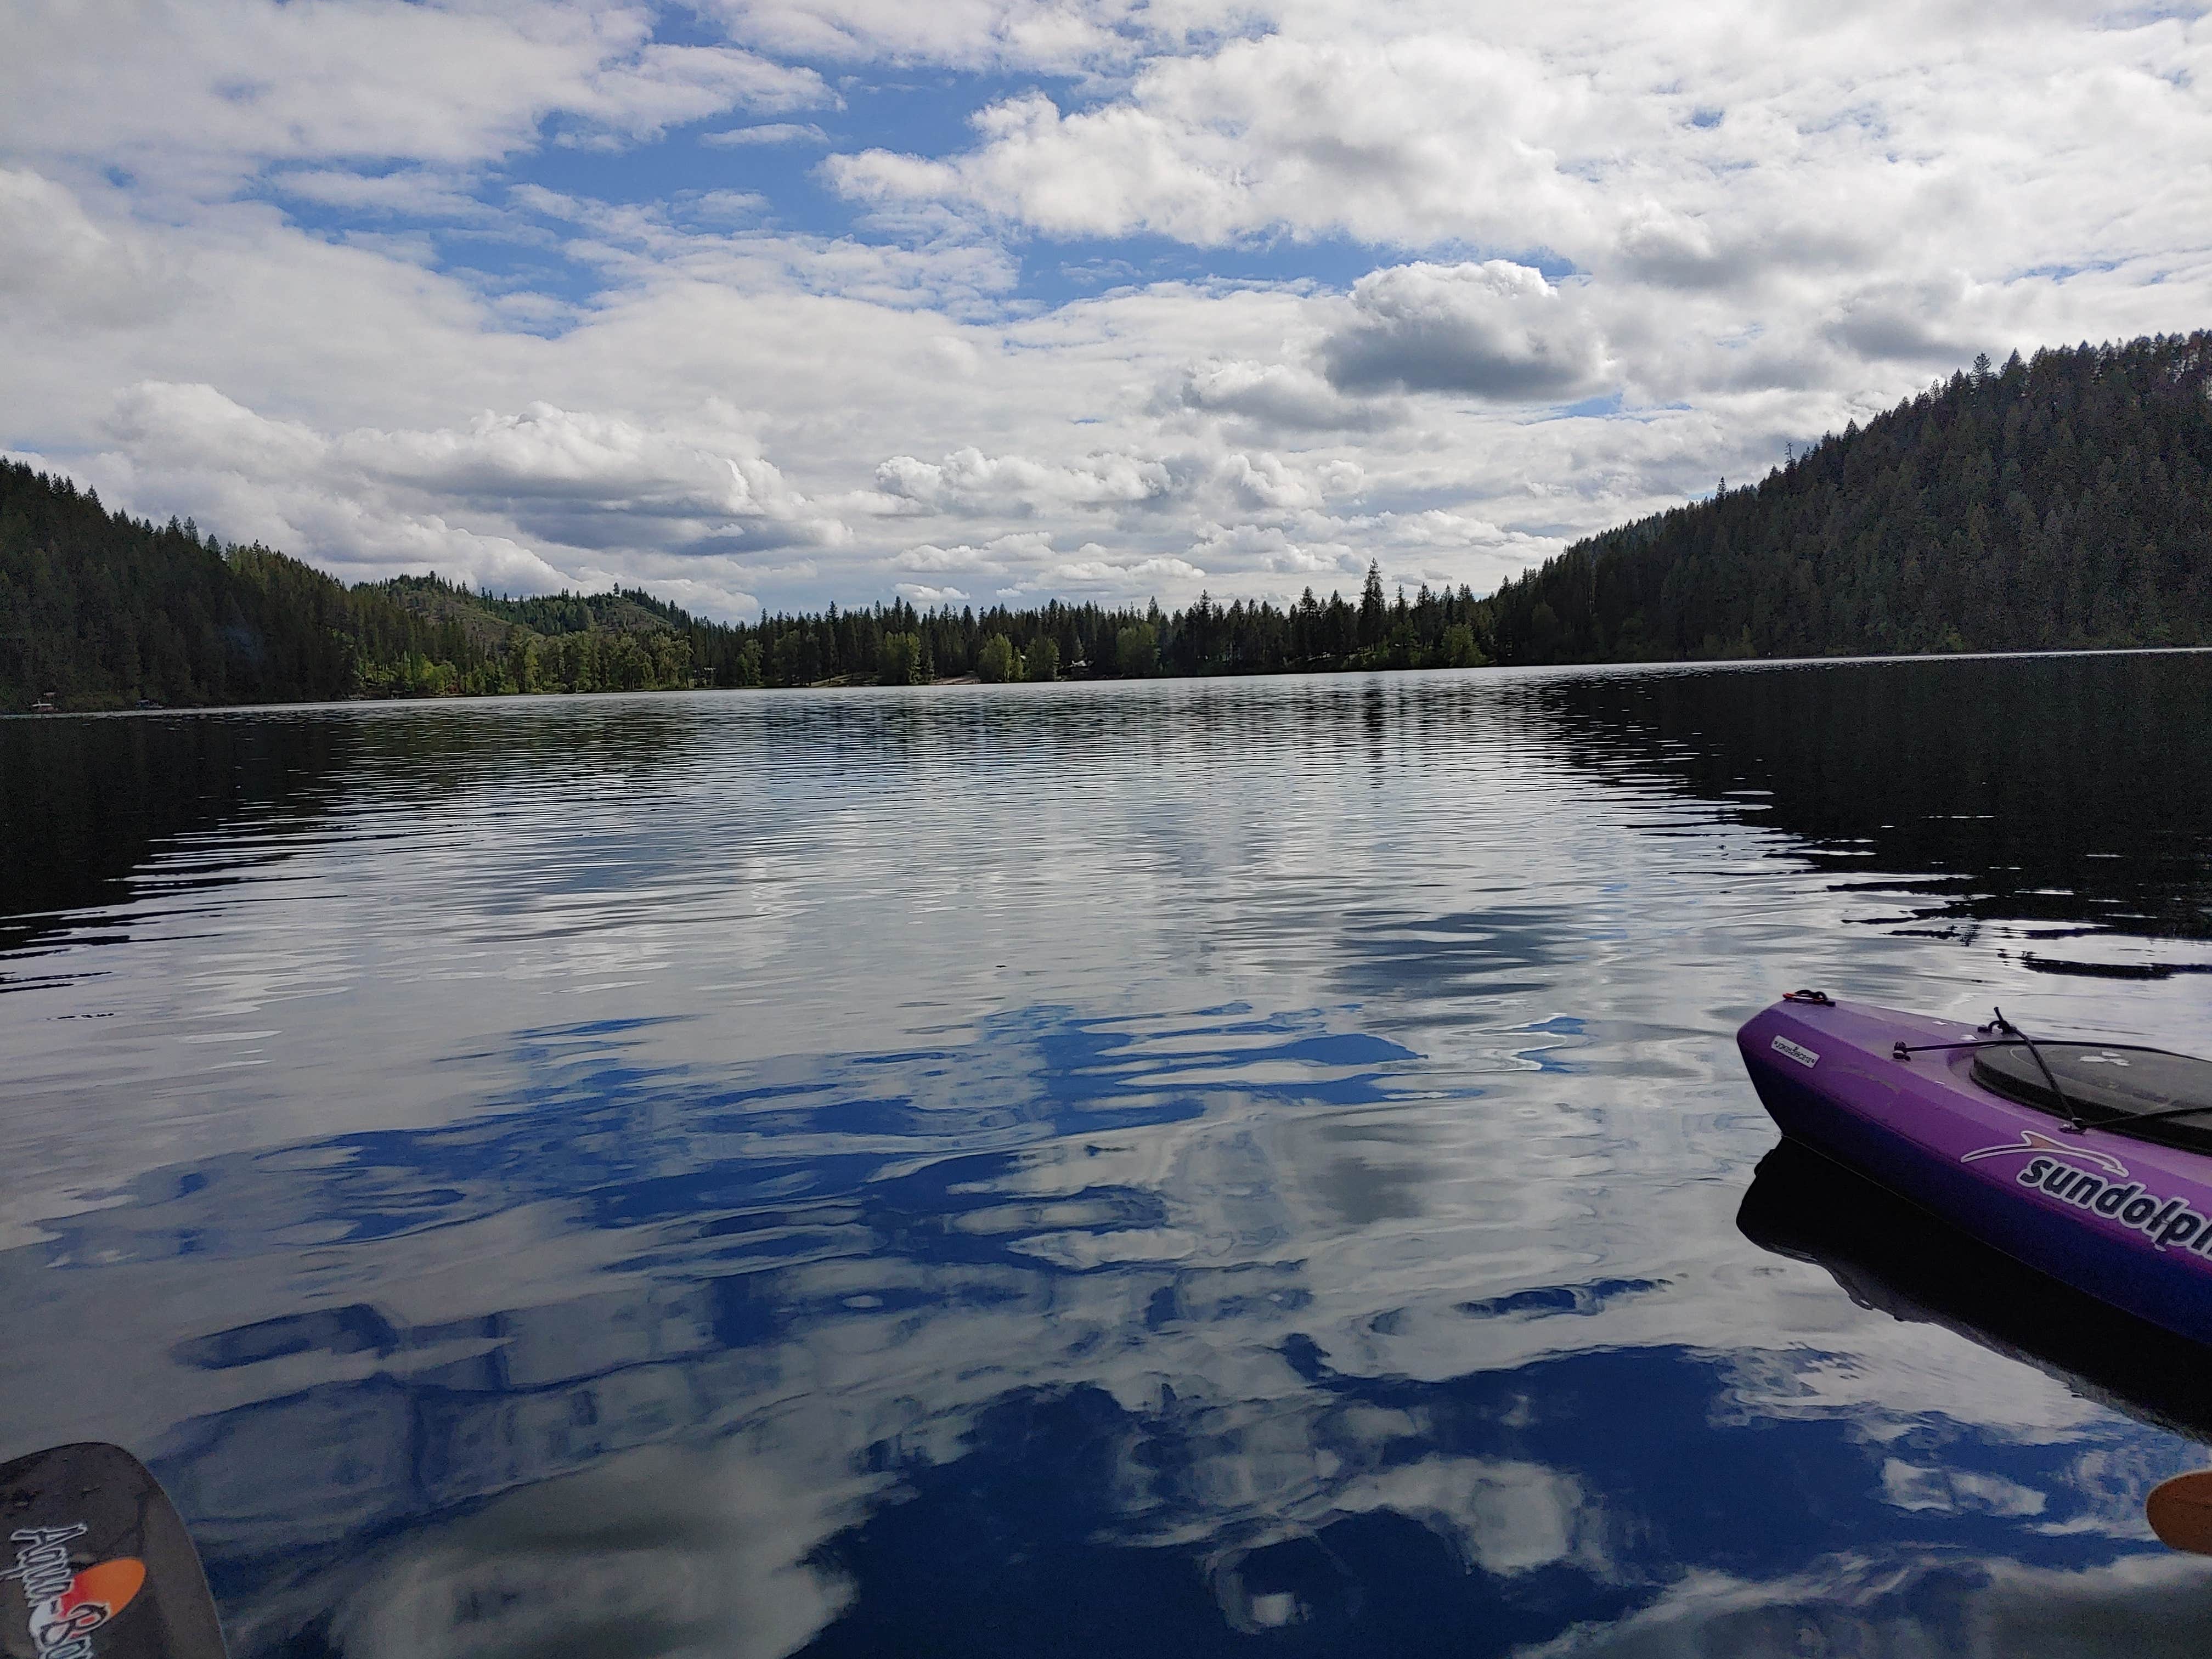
2059 502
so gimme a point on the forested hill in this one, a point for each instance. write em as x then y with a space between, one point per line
2064 501
2054 503
101 611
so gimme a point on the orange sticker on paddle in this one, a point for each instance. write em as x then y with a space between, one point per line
108 1586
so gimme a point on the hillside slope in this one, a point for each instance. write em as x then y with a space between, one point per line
102 610
99 610
2059 502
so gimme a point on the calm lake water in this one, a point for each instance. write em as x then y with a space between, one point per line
1186 1168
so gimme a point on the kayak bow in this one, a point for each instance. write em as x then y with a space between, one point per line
2089 1162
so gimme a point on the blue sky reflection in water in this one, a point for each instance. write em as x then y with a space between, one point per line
1231 1166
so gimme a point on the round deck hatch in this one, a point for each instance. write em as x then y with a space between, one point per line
2102 1082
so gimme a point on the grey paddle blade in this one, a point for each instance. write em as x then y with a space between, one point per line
96 1563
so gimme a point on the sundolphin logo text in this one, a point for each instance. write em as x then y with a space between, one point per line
68 1605
2164 1221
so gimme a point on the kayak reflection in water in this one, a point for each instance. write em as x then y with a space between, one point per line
1895 1258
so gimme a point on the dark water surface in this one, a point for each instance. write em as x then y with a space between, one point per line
1193 1168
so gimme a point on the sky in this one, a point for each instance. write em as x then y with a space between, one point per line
768 303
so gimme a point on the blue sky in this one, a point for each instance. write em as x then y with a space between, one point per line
924 115
1100 299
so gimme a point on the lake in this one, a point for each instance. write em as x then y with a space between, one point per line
1237 1166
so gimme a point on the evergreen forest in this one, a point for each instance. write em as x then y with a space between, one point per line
2061 501
99 610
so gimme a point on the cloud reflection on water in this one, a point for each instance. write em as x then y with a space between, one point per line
1138 1169
803 1267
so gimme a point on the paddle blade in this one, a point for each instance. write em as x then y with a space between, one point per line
2180 1512
95 1561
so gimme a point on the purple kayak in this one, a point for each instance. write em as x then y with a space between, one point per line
2090 1162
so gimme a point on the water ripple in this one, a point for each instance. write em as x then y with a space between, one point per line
1087 1169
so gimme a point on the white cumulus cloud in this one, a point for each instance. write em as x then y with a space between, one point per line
540 497
969 479
1494 330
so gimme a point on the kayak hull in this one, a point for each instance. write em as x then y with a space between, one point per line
2126 1220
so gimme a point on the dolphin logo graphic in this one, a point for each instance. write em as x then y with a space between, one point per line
2035 1141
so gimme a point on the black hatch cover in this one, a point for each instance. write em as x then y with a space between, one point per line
2114 1082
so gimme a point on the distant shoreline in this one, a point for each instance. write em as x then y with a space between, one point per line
854 683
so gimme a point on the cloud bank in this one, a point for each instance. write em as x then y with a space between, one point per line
830 299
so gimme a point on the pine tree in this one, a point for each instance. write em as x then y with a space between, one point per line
1372 611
